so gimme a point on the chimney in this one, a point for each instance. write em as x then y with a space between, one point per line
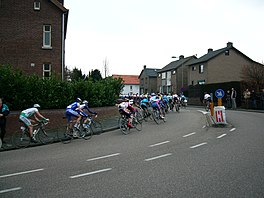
229 44
181 57
144 67
61 1
210 50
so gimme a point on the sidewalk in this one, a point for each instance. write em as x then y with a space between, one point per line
108 124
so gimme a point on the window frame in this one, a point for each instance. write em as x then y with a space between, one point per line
46 70
36 5
201 69
47 33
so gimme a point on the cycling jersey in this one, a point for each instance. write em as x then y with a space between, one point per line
73 106
25 114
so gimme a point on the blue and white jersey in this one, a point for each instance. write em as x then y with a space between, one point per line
73 106
84 106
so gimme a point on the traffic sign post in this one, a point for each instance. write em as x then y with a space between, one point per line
219 93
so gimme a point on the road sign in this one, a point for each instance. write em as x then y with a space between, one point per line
219 93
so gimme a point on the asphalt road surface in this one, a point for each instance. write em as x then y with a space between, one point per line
180 158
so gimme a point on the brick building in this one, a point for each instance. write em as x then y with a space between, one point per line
148 80
32 36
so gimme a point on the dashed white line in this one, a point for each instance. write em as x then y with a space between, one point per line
90 173
21 173
198 145
232 129
160 143
187 135
10 190
157 157
102 157
204 126
220 136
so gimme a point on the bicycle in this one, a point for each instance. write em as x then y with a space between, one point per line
21 139
74 132
157 116
123 121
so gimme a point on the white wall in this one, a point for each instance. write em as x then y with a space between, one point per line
127 89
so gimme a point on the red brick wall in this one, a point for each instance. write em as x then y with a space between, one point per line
57 118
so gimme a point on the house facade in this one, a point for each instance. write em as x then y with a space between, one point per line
32 36
173 78
131 84
148 80
219 66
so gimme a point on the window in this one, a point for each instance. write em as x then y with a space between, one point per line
201 82
36 5
46 70
163 75
201 69
227 52
131 87
193 68
46 36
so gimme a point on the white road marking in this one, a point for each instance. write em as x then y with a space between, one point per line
21 173
220 136
90 173
102 157
195 146
189 134
203 112
157 157
232 129
157 144
10 190
204 126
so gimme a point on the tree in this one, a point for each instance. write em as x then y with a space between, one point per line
77 75
253 76
95 75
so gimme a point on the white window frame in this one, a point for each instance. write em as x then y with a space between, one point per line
36 5
163 75
47 43
201 69
46 70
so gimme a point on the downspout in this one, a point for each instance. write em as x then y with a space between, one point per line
62 48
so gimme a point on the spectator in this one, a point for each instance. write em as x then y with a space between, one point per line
246 95
228 99
233 98
253 99
262 99
4 111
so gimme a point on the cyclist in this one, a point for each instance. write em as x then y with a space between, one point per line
85 106
126 109
144 104
207 100
74 110
28 113
155 104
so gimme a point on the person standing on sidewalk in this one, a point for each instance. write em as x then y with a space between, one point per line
4 111
228 99
246 95
233 98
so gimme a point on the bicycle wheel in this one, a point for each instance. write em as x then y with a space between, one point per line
137 124
21 139
65 136
139 117
45 137
96 127
155 116
122 122
86 133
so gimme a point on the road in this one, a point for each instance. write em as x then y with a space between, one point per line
180 158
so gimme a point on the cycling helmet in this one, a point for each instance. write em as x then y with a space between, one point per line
78 100
85 102
36 106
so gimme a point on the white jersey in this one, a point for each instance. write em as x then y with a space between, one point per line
29 112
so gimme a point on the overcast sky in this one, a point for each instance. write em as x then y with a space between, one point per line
130 34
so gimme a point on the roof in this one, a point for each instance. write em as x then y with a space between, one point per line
176 64
212 54
59 5
150 72
128 79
